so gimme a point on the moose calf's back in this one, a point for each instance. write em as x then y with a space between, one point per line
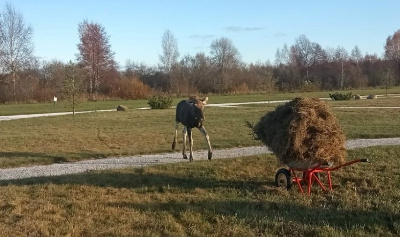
190 112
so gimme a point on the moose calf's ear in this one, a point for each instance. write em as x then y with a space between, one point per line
204 100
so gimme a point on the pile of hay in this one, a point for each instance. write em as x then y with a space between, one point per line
302 133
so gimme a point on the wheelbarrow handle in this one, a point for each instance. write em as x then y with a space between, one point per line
348 163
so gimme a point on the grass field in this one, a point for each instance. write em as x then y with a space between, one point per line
234 197
68 138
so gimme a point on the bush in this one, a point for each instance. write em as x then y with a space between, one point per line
160 102
131 89
340 96
240 89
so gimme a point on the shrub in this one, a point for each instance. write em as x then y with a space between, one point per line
309 87
240 89
160 102
131 88
340 96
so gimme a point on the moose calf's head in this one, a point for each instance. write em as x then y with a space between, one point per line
198 114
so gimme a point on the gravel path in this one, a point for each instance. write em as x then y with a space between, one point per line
146 160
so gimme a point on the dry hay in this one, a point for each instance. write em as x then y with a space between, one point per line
302 133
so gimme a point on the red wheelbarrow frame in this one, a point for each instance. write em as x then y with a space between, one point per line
310 175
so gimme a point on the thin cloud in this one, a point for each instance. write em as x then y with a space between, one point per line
241 29
280 34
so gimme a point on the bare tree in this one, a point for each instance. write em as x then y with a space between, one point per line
392 49
356 54
95 53
201 73
16 46
387 79
52 75
225 57
341 56
304 50
318 54
282 56
184 72
170 51
169 58
355 74
72 85
330 54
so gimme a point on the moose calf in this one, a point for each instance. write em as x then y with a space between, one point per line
190 114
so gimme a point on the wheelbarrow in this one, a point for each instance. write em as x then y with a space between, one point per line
286 177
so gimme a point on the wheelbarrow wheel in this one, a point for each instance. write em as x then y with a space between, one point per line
283 178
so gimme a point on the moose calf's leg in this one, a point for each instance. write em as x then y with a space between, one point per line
204 132
175 136
184 133
190 144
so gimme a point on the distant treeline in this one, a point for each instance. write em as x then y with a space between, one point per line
303 66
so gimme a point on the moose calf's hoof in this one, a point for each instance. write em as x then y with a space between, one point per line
209 155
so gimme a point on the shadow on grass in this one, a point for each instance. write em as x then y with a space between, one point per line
32 155
281 218
283 215
136 179
11 159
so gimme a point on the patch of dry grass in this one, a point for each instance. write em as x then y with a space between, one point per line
225 197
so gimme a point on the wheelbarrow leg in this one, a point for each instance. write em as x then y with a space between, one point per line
297 180
314 176
310 176
329 179
319 182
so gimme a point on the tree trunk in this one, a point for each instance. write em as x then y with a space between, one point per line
342 78
14 82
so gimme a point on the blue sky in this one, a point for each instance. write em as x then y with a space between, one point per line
256 28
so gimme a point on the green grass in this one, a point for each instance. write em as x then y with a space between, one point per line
57 139
234 197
